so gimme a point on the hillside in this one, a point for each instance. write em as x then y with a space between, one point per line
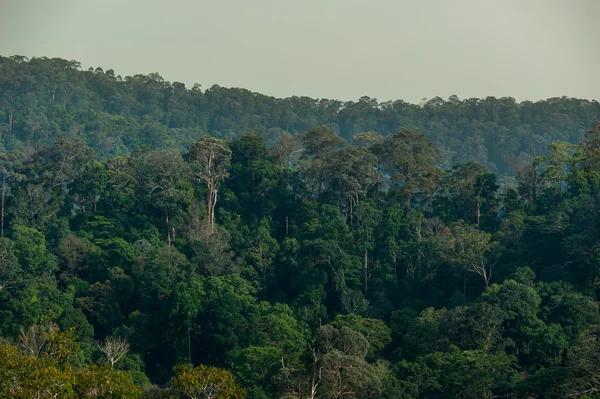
181 265
42 99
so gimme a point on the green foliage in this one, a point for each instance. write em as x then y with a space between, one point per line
206 382
467 374
30 249
293 247
41 366
105 383
374 330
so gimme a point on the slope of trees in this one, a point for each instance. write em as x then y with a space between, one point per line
43 99
309 268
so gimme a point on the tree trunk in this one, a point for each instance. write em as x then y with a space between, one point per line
313 388
209 205
395 268
534 189
287 225
316 373
2 217
167 224
189 346
377 184
212 213
351 213
478 212
10 121
366 273
211 202
486 277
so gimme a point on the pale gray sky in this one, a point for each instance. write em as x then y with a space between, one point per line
344 49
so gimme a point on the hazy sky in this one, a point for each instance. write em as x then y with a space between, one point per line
388 49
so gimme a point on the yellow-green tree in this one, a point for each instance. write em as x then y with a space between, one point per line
106 383
43 365
205 382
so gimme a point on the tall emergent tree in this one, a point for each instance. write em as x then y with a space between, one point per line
409 157
319 142
209 161
475 250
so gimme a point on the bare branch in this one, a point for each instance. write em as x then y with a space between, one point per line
114 348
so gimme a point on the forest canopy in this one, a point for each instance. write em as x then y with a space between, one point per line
160 242
42 99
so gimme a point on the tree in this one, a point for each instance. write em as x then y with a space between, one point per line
342 371
469 188
158 273
10 163
591 148
209 161
166 182
105 383
584 364
368 218
319 143
286 148
41 376
351 172
527 170
50 345
212 251
205 382
367 139
409 156
263 249
555 166
344 376
513 232
354 302
462 374
31 250
475 251
59 164
10 269
73 251
283 331
114 348
374 330
256 363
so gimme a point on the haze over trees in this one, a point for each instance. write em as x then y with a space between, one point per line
304 249
42 99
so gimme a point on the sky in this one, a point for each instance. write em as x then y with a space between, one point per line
342 49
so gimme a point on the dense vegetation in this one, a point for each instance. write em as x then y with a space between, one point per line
42 99
312 267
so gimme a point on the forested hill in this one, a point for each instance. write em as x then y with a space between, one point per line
41 99
228 269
